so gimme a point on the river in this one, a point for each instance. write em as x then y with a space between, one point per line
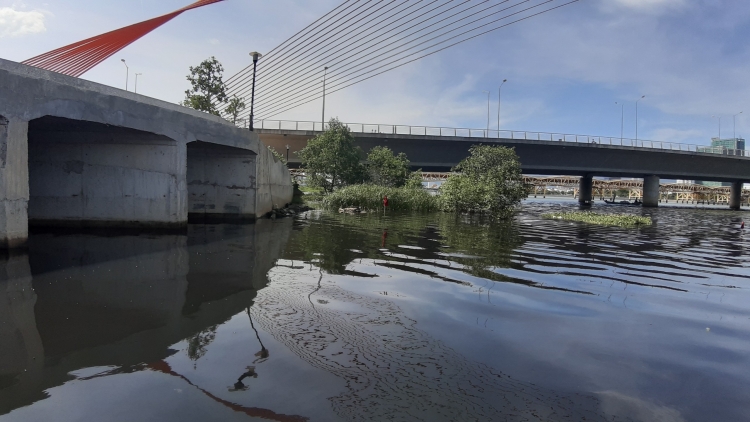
330 317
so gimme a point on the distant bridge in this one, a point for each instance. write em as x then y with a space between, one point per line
543 153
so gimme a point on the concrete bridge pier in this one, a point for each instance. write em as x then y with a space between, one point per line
221 183
14 187
651 191
586 190
735 195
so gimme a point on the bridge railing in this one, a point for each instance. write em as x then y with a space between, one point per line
502 134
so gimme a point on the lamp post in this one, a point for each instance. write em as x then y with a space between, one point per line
636 116
622 119
256 56
323 119
127 73
734 125
287 153
498 106
718 117
487 131
136 81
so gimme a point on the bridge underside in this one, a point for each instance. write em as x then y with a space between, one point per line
440 154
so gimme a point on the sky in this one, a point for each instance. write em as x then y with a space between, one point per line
565 69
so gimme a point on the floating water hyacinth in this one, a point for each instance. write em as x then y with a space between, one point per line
622 220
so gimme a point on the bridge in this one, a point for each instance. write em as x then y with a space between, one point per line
541 153
77 153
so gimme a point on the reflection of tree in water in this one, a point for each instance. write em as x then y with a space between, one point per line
198 343
332 241
392 370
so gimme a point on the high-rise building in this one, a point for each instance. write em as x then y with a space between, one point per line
729 146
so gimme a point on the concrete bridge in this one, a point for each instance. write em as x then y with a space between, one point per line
439 149
77 153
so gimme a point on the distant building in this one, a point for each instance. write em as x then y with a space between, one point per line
729 146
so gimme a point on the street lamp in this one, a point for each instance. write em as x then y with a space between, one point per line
323 119
636 116
127 73
287 153
718 117
498 106
256 56
622 119
136 81
486 134
734 124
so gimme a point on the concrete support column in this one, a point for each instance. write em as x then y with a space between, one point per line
651 191
221 183
735 195
14 183
585 190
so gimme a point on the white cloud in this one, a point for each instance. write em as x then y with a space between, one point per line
15 23
650 5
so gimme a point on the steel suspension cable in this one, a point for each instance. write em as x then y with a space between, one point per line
342 75
305 101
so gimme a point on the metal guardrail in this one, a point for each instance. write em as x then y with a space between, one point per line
503 134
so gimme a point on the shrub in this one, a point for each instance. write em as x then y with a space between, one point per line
386 169
370 197
331 159
488 181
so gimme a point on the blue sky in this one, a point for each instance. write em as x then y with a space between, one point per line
565 69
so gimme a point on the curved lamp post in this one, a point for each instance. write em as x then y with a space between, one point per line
256 56
498 106
323 118
127 73
636 117
734 125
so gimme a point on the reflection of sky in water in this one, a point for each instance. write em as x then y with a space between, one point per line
372 317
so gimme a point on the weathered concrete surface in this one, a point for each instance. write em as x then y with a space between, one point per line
221 182
88 174
540 157
14 182
651 191
586 190
132 153
735 195
277 192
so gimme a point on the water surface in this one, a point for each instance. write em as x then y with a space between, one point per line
372 317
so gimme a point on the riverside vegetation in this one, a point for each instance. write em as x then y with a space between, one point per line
489 181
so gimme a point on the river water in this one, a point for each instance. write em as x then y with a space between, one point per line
333 317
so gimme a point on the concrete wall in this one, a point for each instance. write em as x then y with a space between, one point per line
126 164
274 183
221 183
14 182
89 174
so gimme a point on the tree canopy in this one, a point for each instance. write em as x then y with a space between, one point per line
207 86
235 106
488 181
331 159
386 169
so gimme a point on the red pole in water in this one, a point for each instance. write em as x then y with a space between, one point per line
742 226
385 202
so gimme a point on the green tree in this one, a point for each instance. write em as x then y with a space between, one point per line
488 181
331 159
386 169
207 87
235 106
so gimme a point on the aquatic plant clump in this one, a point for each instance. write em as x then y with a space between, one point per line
622 220
370 197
